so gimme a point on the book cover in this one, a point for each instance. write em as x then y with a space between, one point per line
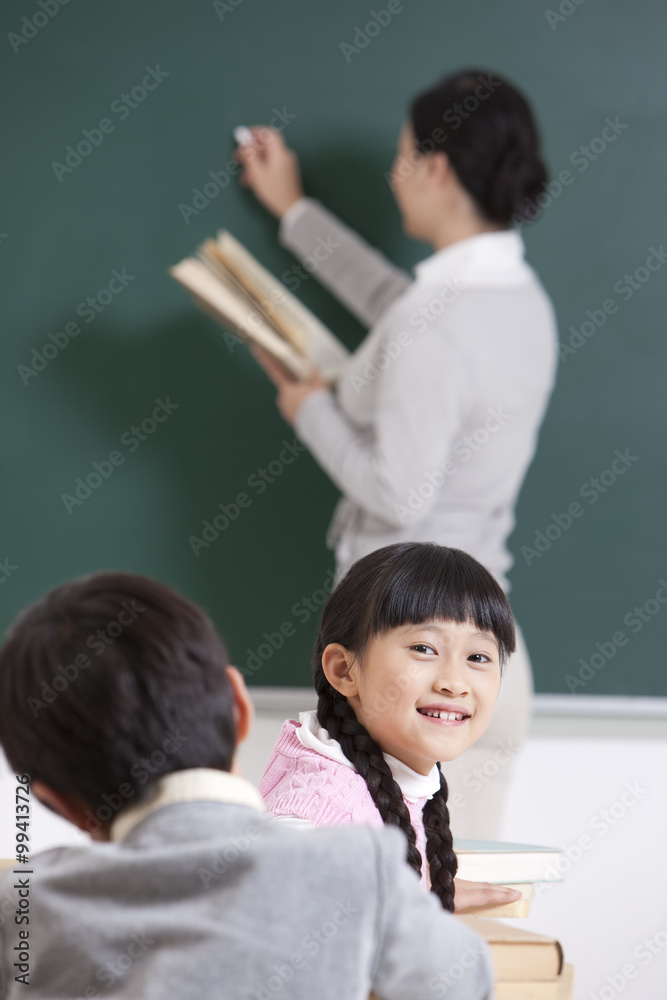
518 954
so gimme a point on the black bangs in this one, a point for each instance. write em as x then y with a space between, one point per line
435 582
409 583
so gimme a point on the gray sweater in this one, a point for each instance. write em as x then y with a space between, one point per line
435 418
213 900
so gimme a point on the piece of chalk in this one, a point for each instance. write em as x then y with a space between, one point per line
243 135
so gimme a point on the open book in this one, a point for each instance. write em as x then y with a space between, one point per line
229 284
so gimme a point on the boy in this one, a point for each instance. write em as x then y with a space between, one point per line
119 707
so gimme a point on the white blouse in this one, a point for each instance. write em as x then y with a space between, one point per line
434 421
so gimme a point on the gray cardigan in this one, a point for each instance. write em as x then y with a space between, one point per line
208 900
435 417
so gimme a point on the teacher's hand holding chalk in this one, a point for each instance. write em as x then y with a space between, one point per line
271 170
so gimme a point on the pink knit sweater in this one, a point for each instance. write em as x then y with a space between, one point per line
301 782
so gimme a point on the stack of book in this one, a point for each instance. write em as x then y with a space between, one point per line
528 966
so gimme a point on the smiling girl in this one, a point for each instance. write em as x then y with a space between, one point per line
407 669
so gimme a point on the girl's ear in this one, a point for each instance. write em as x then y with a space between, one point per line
340 669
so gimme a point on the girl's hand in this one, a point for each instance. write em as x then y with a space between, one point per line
271 170
291 393
470 894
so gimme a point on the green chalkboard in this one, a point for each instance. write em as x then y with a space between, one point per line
98 341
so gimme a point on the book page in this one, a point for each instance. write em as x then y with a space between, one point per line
226 267
323 349
221 303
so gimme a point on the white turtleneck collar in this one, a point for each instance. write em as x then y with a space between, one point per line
489 260
412 784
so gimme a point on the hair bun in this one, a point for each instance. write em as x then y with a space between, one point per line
492 141
515 185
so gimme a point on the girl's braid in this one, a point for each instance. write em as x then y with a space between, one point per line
338 718
442 861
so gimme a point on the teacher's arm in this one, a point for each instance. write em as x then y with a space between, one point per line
355 272
421 403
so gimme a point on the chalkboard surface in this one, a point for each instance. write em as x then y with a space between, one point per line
127 421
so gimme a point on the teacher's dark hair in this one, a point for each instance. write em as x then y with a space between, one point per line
487 129
409 582
109 682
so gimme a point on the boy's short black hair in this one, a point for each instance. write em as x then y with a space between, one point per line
110 681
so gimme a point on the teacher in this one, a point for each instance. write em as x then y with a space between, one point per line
434 421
